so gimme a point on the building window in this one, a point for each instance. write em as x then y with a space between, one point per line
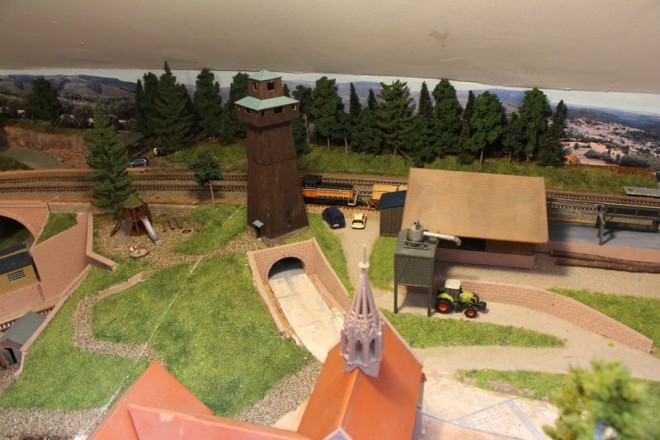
294 107
270 85
263 113
254 86
278 109
15 276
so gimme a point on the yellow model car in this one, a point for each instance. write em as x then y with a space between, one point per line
359 221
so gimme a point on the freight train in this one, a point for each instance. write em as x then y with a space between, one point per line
315 190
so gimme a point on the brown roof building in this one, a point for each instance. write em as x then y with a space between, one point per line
500 218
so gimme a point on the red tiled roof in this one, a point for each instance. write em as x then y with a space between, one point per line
362 406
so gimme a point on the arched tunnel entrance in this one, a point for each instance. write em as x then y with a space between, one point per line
13 232
17 268
315 324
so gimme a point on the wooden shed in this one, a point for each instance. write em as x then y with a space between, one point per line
12 341
500 218
391 206
16 268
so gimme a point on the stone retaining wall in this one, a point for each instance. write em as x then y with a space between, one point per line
562 307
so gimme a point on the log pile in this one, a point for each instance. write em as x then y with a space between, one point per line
564 258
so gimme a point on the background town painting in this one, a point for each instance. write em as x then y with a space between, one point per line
609 124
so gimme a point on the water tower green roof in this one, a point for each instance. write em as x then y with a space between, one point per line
264 104
264 75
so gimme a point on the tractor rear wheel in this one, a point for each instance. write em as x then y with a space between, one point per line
444 306
471 312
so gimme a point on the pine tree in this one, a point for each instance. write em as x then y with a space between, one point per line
366 137
108 160
469 105
533 113
423 142
513 137
551 151
448 116
371 100
354 107
326 106
174 121
208 104
145 103
206 170
395 116
232 128
42 102
304 96
486 124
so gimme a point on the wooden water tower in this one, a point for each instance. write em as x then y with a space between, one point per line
275 204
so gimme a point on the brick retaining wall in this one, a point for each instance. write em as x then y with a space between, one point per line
562 307
314 263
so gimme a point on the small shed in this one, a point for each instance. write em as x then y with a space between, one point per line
16 268
13 340
391 206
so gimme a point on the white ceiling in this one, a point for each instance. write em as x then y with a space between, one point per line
601 45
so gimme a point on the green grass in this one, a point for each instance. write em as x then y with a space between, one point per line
217 226
330 244
9 164
638 313
217 339
231 158
59 376
542 386
423 332
381 262
589 179
58 222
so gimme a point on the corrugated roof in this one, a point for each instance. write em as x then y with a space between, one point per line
265 104
264 75
395 199
14 262
478 205
24 327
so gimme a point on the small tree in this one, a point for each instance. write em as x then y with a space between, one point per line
206 169
208 104
42 101
108 160
605 399
395 116
486 124
174 120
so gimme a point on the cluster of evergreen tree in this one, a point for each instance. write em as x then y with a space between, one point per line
436 126
167 113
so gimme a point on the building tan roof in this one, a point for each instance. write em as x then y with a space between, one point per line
478 205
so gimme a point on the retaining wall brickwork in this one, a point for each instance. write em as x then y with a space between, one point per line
32 215
562 307
314 263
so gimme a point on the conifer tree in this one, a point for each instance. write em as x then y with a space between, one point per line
42 102
423 146
533 113
371 100
513 137
551 151
366 137
208 104
469 105
354 107
174 121
486 124
395 116
232 128
108 160
326 109
448 116
304 96
145 103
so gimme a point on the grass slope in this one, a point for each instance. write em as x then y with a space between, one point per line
58 222
220 224
217 338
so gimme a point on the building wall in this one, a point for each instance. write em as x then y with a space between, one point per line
390 221
485 258
562 307
315 265
6 284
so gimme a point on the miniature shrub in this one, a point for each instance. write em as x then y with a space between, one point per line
630 160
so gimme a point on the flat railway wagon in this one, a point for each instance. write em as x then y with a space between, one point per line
314 189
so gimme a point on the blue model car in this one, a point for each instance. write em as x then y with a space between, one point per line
138 162
334 217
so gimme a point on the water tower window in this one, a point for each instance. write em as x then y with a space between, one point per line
270 85
254 86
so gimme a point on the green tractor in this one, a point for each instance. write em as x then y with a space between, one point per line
454 299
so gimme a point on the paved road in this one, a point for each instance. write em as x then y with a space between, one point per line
581 233
33 158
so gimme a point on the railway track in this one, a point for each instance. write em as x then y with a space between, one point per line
76 181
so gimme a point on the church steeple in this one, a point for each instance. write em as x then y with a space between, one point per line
362 335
